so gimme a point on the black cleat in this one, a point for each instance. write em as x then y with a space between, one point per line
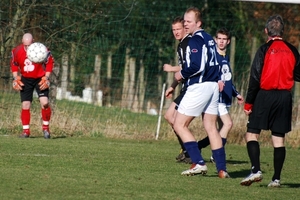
46 134
24 135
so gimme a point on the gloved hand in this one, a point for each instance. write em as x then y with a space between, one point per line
44 83
17 83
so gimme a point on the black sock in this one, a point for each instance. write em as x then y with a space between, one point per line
224 141
254 154
203 143
278 160
180 142
182 146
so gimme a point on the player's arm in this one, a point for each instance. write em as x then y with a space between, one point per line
254 81
170 68
169 92
14 66
174 84
236 94
297 67
234 91
49 63
45 82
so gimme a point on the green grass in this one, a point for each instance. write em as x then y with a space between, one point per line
70 118
104 168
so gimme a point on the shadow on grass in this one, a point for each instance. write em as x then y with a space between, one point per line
291 185
285 185
59 137
239 174
236 162
52 137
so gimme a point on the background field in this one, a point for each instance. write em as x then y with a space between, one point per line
102 168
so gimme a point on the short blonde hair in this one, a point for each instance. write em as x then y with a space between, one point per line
198 14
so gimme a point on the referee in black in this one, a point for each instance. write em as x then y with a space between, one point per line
269 99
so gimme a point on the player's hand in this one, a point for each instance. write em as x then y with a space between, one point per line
44 83
17 83
248 108
240 99
169 92
221 85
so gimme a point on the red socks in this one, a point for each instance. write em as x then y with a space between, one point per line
25 118
46 115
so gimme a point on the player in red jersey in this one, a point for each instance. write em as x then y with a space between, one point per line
32 76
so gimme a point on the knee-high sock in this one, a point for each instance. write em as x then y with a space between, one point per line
25 118
224 141
193 151
254 154
220 158
278 160
46 116
203 143
180 141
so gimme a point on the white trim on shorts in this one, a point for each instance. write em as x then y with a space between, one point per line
222 109
200 98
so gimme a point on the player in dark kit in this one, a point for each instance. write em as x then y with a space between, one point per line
33 76
201 72
269 100
181 35
225 123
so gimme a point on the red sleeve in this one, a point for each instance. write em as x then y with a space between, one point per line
14 65
49 63
248 106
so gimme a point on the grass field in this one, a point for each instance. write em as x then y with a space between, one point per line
105 168
111 153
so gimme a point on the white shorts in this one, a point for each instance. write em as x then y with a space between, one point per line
200 98
222 109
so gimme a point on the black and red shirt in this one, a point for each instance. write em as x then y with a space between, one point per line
275 67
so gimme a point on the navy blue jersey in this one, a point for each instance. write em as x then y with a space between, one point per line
201 59
229 90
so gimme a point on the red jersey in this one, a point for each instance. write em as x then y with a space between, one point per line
278 69
276 66
20 62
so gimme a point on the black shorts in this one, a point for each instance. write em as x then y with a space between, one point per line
179 98
29 85
272 110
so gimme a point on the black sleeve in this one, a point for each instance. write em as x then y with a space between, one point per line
255 74
297 66
297 71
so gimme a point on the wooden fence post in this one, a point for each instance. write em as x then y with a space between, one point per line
95 78
64 76
109 74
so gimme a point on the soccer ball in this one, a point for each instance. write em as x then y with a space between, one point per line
37 52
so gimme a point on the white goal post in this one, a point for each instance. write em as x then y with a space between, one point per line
160 110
